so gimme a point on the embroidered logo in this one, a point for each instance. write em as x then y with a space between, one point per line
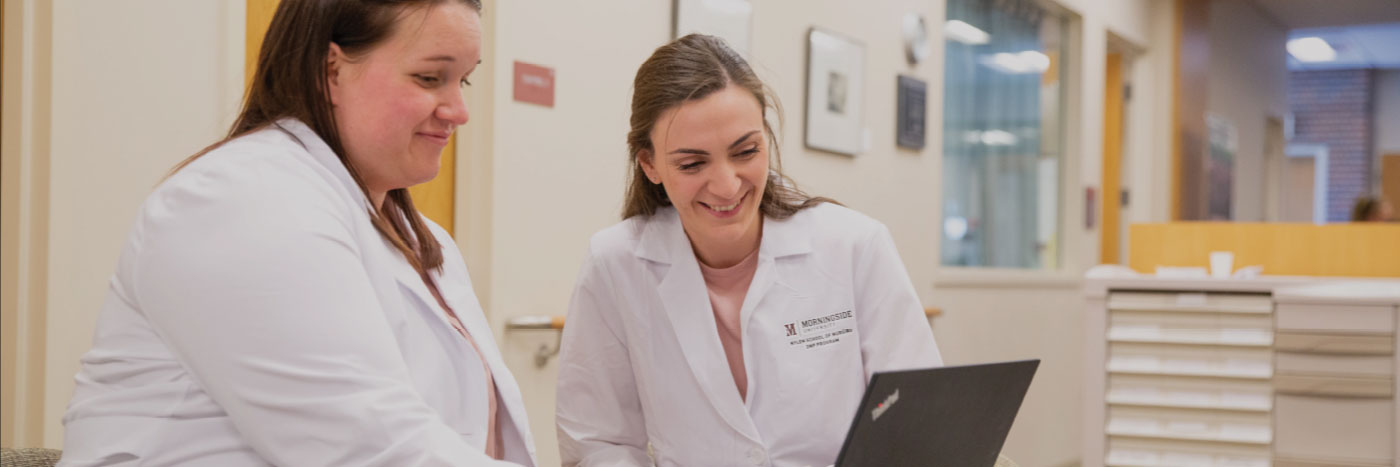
791 329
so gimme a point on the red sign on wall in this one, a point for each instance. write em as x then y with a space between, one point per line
534 84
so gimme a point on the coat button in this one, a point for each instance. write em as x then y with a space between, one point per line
756 456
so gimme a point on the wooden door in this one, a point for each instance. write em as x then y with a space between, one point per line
1111 229
1296 197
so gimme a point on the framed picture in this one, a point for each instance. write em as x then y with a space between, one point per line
835 104
727 19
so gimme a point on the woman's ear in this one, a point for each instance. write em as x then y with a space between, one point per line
335 59
644 160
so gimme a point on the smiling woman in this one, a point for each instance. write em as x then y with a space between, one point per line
280 300
725 283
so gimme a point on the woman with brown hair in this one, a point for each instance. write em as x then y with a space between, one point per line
279 300
729 319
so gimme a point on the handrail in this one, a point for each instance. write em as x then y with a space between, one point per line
540 323
535 322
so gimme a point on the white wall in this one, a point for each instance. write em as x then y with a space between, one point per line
134 88
1386 124
1248 83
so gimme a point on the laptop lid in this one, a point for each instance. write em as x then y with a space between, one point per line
948 416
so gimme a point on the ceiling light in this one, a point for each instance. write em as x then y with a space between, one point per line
1311 49
1026 61
965 33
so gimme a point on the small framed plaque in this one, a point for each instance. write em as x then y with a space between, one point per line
911 107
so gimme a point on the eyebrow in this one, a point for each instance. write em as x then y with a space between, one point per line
444 58
703 152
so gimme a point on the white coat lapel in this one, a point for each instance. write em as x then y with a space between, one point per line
781 238
687 304
474 321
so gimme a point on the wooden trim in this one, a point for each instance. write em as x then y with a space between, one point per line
259 17
9 317
933 312
1355 249
1112 177
1390 181
1175 136
1190 77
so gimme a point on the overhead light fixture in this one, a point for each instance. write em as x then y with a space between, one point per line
965 33
999 138
1026 61
1311 49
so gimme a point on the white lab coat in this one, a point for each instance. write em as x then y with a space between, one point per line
256 317
642 365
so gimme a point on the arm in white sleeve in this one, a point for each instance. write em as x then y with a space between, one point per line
599 414
260 292
894 331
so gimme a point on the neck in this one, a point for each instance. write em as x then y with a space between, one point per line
721 254
376 199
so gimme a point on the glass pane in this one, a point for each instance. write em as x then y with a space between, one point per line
1003 135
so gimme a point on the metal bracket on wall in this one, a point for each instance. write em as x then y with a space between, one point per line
540 323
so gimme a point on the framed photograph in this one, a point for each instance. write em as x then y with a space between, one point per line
730 20
835 102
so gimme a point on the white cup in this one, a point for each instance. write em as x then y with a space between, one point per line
1222 263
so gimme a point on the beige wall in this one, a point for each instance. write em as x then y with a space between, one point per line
134 88
1248 83
133 92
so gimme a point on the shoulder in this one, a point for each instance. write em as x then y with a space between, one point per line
620 240
832 223
266 164
264 181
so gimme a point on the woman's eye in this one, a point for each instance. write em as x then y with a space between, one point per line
747 154
427 80
691 166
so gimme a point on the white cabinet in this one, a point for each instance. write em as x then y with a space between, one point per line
1334 378
1240 373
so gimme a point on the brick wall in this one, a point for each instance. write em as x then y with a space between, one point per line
1334 107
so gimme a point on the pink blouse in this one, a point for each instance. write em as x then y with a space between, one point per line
727 287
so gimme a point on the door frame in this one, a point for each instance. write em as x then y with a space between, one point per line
1320 162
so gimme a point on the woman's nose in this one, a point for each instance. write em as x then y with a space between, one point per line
453 109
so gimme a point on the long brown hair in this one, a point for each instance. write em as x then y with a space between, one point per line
691 68
291 82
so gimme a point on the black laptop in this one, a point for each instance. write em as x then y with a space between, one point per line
955 416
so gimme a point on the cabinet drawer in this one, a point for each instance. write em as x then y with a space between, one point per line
1189 425
1313 385
1328 364
1223 329
1190 393
1308 428
1191 302
1350 344
1218 362
1334 318
1138 452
